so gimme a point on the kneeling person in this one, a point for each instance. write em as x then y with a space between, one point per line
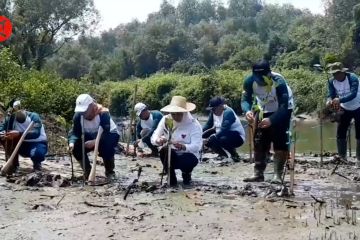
186 139
95 115
223 129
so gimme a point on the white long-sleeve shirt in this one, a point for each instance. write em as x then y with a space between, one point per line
187 132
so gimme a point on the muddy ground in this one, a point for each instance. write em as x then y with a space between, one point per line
217 206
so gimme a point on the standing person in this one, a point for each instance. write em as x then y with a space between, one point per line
186 141
274 97
95 115
223 130
35 145
149 120
344 97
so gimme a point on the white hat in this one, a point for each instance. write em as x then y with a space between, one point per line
179 104
139 107
82 102
17 105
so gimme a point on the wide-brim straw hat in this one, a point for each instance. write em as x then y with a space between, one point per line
178 104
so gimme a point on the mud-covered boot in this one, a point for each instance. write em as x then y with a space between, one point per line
257 177
279 162
234 155
173 180
109 169
357 164
342 148
186 178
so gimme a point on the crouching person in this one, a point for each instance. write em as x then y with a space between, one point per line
95 115
149 120
186 141
34 146
223 129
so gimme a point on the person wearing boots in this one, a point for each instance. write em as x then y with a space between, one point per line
274 97
35 145
95 115
149 120
344 97
186 141
223 130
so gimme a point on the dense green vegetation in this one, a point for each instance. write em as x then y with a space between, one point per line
198 49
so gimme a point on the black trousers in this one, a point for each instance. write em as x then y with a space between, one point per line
344 123
179 160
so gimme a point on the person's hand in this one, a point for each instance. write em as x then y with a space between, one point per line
90 144
335 103
12 135
250 116
136 143
265 123
71 147
161 141
179 146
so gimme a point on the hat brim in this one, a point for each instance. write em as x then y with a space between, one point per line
81 108
339 70
173 109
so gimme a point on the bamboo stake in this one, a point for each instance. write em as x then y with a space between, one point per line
9 163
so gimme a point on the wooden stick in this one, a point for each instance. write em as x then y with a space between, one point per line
83 148
132 118
169 158
9 163
292 160
92 174
251 139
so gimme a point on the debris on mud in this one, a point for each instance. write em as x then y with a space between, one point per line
40 179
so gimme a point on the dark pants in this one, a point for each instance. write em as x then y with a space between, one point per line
147 140
344 124
107 144
179 160
229 141
276 134
36 151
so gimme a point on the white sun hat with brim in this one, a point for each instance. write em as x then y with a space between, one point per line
82 102
178 104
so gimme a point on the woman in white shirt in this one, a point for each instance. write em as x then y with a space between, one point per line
186 141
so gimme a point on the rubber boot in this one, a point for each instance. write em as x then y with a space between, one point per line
342 148
173 180
358 154
260 165
257 177
109 168
186 178
279 162
234 155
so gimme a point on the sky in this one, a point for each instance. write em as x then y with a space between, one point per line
115 12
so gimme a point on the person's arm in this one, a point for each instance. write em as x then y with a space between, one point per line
159 132
105 121
246 98
138 129
228 119
36 130
283 101
354 88
209 124
75 133
196 141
